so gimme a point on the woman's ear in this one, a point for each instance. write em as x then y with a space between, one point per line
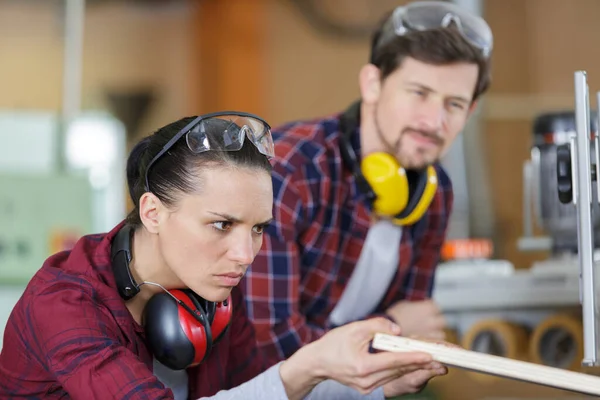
150 208
369 83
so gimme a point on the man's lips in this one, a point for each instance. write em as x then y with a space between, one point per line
425 139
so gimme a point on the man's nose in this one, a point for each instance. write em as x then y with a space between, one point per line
432 115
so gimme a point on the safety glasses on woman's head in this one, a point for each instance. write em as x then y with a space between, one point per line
424 15
223 131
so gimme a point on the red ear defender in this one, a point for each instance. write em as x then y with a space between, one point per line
221 319
195 324
180 327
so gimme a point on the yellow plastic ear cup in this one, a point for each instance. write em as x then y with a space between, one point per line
424 200
389 182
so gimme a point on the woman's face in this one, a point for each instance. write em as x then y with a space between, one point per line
211 237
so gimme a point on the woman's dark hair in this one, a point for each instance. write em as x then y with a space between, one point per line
178 170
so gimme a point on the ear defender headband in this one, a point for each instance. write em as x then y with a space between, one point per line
400 194
181 328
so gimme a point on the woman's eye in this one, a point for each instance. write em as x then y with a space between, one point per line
222 225
259 229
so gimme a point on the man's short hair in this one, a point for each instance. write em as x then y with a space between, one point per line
440 46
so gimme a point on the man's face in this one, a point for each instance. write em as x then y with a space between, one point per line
421 108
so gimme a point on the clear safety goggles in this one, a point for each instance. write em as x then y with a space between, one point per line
223 131
424 15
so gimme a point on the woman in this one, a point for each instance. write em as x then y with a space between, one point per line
150 310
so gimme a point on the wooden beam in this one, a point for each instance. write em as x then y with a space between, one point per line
493 365
230 55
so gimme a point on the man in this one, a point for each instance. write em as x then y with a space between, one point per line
361 201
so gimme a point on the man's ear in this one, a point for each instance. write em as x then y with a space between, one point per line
150 208
369 83
473 107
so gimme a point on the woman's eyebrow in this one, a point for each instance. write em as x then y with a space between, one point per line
226 216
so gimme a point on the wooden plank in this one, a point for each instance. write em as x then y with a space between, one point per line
493 365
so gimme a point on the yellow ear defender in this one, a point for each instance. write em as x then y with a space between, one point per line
400 194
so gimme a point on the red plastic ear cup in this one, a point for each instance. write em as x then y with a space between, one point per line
197 332
221 319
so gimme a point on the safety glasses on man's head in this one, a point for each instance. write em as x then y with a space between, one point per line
424 15
223 131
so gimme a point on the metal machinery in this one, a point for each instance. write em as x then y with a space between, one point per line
545 313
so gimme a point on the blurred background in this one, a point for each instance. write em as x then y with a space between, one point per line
81 81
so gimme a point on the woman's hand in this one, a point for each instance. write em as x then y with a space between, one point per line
415 381
343 355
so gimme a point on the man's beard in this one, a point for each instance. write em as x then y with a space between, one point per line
422 156
408 161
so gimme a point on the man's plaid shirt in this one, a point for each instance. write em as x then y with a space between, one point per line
311 248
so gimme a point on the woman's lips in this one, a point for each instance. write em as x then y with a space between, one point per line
230 279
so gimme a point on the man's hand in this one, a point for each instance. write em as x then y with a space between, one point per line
419 318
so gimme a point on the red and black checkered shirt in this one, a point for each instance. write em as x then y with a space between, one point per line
71 336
